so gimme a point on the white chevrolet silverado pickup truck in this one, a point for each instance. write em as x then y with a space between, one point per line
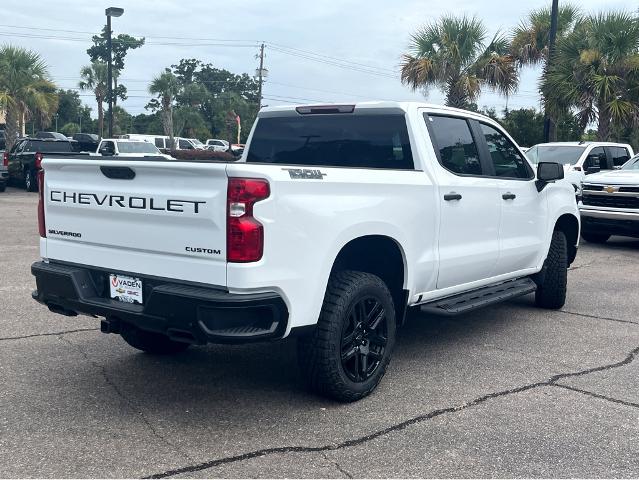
335 221
610 203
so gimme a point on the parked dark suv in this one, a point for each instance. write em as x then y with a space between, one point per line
26 155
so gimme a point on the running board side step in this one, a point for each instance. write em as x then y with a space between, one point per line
482 297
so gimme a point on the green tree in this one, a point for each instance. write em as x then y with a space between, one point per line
72 110
530 41
216 93
596 71
94 79
166 86
70 129
25 90
451 55
120 46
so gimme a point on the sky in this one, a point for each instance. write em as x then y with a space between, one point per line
304 42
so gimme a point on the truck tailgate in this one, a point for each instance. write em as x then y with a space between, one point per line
163 218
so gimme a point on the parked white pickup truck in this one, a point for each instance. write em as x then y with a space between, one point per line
610 203
336 219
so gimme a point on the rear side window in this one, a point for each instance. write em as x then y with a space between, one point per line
507 160
457 149
48 147
620 156
341 140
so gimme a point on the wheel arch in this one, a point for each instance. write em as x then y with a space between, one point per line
569 225
380 255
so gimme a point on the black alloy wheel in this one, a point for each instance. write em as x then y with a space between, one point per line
364 339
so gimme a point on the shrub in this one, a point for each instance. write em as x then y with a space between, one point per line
202 155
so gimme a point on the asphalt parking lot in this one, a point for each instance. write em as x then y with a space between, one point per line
508 391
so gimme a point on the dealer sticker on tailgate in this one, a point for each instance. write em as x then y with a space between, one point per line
126 289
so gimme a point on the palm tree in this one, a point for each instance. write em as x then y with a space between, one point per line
25 89
530 40
166 86
94 79
529 43
451 55
596 71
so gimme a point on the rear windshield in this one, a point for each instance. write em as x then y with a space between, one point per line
48 147
341 140
555 153
137 147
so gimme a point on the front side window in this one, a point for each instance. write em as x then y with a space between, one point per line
457 149
159 142
185 145
620 156
507 160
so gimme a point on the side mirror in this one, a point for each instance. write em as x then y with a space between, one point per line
548 172
593 170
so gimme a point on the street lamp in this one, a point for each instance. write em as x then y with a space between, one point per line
111 12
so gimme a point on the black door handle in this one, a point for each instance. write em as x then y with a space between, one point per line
509 196
452 196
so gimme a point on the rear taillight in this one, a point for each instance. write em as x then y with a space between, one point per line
38 160
244 234
41 224
5 159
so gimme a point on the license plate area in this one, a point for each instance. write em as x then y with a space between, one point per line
125 289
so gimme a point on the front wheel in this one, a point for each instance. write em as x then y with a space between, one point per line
595 237
151 342
347 355
553 279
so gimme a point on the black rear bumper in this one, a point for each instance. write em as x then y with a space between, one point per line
182 311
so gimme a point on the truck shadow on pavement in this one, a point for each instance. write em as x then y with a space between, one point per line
267 372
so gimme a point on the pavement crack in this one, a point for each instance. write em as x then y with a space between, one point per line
610 319
597 395
49 334
132 406
336 464
626 361
551 382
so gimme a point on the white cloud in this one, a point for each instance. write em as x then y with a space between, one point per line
372 32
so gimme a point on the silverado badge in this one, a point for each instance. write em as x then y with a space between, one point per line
611 189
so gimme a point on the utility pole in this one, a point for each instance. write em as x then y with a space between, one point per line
554 14
261 73
110 77
110 12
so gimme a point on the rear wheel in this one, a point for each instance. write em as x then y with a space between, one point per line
347 355
552 282
30 181
595 237
152 342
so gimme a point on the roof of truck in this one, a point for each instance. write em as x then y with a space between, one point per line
580 144
373 105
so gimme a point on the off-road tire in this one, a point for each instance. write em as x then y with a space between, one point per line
30 181
319 354
593 237
151 342
551 283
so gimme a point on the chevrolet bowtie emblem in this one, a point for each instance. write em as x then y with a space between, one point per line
611 189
